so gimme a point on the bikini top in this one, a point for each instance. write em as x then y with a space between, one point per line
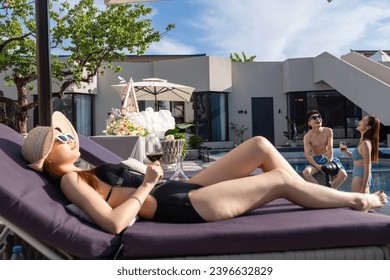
356 155
117 175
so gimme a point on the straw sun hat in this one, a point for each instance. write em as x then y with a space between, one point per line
39 141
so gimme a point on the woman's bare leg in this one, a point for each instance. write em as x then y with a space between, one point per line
256 152
234 197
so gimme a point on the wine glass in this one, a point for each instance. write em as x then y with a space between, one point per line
342 147
153 148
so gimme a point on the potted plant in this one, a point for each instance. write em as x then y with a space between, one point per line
175 142
194 144
238 130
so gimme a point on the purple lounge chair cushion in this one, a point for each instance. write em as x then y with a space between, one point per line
35 204
96 154
278 226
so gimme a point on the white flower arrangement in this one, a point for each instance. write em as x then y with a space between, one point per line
120 125
139 124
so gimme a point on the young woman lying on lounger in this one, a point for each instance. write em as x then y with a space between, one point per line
113 196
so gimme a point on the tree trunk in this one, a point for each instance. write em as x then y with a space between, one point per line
21 115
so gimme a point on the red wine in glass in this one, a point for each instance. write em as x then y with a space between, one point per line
154 156
153 148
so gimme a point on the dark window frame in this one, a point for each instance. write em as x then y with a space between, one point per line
207 119
73 114
299 104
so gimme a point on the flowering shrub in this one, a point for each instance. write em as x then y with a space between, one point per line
119 125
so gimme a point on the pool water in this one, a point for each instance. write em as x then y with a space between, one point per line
380 177
299 166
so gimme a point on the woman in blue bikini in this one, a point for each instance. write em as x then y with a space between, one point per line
364 154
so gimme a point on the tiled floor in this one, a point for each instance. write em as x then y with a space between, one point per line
195 165
189 165
190 168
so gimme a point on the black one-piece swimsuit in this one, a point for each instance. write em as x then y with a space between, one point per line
173 202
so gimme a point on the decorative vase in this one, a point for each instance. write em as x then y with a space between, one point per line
171 150
179 173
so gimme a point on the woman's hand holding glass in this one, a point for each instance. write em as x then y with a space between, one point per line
343 147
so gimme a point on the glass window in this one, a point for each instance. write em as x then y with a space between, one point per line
338 112
200 115
78 108
218 117
82 107
178 111
211 115
297 108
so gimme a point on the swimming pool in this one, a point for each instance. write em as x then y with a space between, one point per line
380 172
380 176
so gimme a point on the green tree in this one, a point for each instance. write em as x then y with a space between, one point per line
236 58
88 36
17 45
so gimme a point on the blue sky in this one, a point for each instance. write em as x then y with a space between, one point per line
273 30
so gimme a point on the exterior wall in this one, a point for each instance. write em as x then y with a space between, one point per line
257 79
220 74
298 76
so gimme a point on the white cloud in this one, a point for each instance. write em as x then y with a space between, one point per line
170 46
271 30
275 30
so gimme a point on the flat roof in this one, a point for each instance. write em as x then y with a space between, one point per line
152 57
369 53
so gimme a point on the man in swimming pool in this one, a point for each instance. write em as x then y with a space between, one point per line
318 147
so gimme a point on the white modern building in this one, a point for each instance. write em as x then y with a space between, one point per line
256 95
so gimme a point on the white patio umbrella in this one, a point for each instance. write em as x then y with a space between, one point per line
158 89
126 92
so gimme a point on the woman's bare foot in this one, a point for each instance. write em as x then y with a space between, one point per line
374 200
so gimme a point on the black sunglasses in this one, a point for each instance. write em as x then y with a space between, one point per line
316 117
64 138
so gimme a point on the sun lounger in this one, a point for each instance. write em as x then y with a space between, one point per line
33 208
